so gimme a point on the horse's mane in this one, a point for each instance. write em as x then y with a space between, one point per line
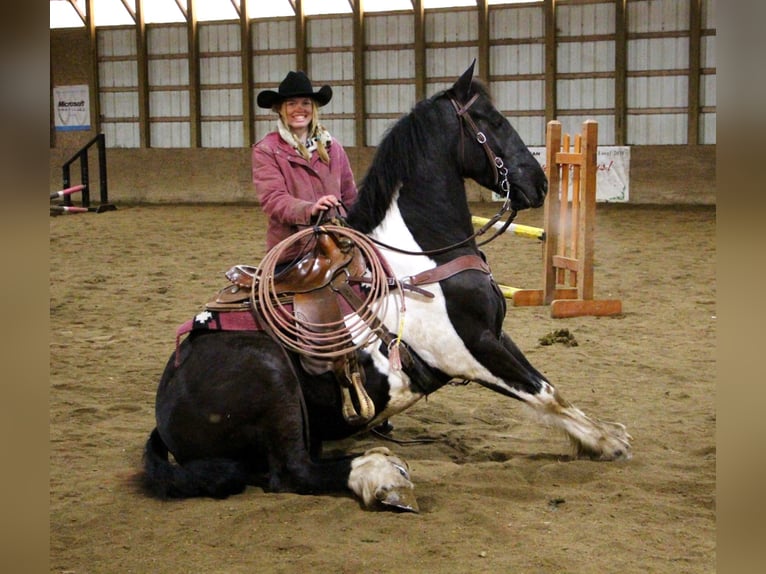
396 159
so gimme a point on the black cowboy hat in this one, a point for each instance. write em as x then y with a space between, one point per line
295 85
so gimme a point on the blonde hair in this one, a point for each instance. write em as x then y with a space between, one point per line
314 129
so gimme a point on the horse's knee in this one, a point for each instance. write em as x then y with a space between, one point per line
380 477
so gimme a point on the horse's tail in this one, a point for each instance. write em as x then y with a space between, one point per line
217 478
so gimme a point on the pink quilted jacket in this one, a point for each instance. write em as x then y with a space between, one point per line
287 185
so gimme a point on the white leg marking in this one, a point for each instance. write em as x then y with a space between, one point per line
591 437
380 477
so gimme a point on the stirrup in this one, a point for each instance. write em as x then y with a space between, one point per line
353 379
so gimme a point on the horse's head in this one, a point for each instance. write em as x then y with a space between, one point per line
489 145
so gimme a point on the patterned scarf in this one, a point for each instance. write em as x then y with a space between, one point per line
321 139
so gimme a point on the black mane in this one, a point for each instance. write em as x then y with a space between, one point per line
396 159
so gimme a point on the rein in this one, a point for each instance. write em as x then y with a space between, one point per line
500 177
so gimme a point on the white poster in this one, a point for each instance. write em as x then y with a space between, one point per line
71 105
613 179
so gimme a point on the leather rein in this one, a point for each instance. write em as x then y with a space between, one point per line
500 179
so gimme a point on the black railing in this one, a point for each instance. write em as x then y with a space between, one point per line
82 157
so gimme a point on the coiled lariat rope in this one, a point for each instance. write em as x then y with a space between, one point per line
335 338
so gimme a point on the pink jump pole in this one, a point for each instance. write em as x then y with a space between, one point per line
68 208
67 191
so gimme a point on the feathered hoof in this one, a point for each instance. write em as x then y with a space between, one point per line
612 444
382 480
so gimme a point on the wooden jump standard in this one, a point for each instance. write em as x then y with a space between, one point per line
569 226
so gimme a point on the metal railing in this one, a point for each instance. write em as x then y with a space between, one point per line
82 156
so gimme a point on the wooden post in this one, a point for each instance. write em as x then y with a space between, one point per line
569 247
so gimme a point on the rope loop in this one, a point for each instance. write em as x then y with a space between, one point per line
331 339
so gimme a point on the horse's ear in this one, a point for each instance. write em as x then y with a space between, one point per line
463 85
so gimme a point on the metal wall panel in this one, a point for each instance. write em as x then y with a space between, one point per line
516 22
585 19
329 67
396 64
221 134
452 26
219 37
119 104
658 54
657 129
530 128
221 102
168 73
708 51
220 70
658 46
578 57
388 29
330 32
572 125
170 134
118 107
708 14
516 59
116 42
658 92
519 23
658 15
167 39
707 128
118 74
522 95
335 69
389 64
449 62
444 27
585 93
121 134
581 95
391 98
271 69
169 103
273 34
708 91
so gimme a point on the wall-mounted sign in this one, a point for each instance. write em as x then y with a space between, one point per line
71 108
612 178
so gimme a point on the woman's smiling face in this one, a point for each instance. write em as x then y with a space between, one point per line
298 113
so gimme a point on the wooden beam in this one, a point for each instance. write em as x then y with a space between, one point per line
246 59
192 32
620 74
549 7
483 13
93 84
130 9
420 49
695 64
360 99
83 17
182 8
301 56
142 65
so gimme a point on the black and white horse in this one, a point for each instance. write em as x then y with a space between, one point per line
234 410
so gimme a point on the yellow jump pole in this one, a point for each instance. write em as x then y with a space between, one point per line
508 291
515 228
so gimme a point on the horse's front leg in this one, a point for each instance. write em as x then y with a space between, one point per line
517 378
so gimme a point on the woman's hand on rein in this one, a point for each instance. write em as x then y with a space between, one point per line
324 203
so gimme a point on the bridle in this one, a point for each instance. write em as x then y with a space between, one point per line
500 179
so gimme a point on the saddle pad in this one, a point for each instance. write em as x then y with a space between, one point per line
215 321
